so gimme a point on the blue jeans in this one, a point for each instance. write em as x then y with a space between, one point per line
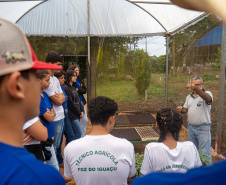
53 160
84 121
69 134
76 128
58 131
201 137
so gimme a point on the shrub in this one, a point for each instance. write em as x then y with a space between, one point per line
139 159
142 70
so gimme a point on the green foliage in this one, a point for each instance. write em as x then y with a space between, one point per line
138 160
217 64
142 70
205 160
121 90
62 45
158 64
208 77
218 55
186 38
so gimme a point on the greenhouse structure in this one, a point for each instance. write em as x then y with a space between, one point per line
104 19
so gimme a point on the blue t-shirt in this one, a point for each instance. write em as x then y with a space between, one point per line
203 175
66 98
46 103
78 85
18 166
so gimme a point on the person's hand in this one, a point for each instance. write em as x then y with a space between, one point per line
48 111
82 114
189 87
27 138
57 95
179 108
76 89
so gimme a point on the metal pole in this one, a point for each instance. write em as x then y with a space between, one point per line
88 13
146 91
88 58
173 56
167 69
221 91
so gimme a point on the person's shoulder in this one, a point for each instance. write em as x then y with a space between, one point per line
76 143
154 145
121 142
55 78
21 167
187 145
208 92
44 173
47 174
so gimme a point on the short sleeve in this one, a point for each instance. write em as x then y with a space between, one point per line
132 170
146 165
210 102
43 107
56 81
50 91
29 123
67 169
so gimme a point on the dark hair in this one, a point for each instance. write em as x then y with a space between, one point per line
59 74
41 73
100 109
68 76
24 74
53 57
72 67
170 121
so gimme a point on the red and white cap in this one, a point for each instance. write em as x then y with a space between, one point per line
16 53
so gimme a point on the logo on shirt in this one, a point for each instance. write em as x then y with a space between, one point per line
199 104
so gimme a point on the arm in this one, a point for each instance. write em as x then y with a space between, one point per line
49 115
58 99
203 94
38 131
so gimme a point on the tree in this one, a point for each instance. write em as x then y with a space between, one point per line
142 70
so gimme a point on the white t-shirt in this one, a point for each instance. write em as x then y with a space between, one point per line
28 124
159 158
53 88
198 109
99 160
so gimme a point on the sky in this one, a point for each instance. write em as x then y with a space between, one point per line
155 45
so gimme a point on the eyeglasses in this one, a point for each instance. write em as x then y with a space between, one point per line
197 84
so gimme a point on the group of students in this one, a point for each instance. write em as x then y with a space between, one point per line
98 158
62 106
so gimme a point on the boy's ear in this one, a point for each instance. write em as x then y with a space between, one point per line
112 119
14 86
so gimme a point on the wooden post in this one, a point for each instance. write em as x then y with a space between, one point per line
221 91
167 70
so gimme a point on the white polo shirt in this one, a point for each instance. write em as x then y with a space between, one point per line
198 109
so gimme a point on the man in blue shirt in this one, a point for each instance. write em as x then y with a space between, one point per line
19 102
